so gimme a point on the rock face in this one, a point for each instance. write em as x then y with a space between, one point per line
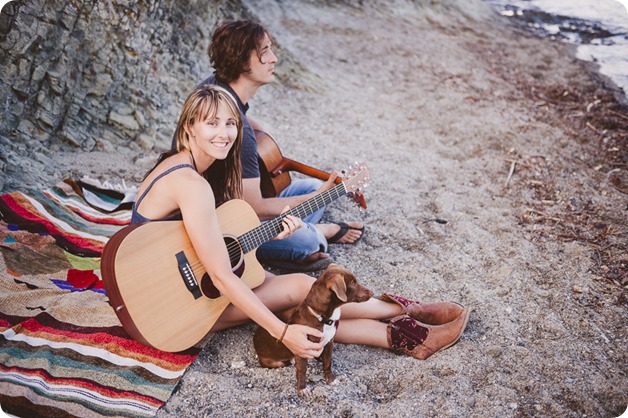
83 75
96 75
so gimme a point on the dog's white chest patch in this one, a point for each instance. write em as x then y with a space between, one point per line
330 330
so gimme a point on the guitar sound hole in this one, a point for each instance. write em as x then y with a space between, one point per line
208 288
235 258
235 251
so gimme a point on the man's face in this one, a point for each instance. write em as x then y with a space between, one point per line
263 67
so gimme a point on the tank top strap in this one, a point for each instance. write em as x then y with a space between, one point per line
168 171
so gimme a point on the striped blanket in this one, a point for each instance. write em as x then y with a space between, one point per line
63 351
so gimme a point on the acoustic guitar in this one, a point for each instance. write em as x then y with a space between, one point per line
157 285
275 169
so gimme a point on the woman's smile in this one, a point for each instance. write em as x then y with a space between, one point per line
220 144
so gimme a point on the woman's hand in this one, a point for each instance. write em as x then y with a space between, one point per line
290 225
296 340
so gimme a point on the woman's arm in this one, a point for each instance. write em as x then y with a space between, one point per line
196 201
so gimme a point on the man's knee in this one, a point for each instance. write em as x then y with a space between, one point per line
302 186
305 241
311 183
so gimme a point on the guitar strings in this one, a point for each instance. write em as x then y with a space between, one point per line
272 228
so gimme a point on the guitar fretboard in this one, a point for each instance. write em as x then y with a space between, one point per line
270 229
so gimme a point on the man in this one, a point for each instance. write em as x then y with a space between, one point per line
243 60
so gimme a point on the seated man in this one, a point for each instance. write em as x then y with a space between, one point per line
243 61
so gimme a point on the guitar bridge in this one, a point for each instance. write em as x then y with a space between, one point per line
187 274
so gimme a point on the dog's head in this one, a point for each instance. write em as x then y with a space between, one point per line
343 285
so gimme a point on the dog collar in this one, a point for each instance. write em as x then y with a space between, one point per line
321 318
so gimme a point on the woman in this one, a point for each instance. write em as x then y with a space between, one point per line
205 170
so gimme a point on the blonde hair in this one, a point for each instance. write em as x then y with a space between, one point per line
224 176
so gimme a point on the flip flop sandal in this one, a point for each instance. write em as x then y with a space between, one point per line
344 228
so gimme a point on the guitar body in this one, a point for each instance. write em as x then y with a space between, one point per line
269 159
145 286
275 169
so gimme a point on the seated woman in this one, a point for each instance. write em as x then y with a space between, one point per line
204 170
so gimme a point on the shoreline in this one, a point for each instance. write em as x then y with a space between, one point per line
608 83
599 32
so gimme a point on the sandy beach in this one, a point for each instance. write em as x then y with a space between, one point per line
513 142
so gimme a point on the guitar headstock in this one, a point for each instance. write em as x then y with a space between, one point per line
355 179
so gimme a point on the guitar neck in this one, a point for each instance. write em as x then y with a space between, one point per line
287 164
270 229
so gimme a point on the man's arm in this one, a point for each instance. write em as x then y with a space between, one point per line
256 126
267 208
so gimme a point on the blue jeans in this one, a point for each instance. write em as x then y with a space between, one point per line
307 239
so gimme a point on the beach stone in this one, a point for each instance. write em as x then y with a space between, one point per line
238 364
445 371
469 401
146 142
125 121
56 81
102 84
494 351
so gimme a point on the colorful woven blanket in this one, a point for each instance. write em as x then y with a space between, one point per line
63 351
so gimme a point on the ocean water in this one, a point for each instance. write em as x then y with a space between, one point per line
598 27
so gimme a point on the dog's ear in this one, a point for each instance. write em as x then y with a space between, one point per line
338 286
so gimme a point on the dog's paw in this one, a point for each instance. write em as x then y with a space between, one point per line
330 378
305 393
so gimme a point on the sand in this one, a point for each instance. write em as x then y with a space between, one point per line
504 136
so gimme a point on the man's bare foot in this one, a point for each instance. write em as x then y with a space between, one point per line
342 233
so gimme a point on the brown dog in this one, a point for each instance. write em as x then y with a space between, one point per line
320 309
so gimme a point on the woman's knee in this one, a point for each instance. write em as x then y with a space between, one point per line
303 284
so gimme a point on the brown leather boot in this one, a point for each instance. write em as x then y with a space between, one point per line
409 336
432 313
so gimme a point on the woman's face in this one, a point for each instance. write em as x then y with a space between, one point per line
215 136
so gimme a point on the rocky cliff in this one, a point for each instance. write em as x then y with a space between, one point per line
98 75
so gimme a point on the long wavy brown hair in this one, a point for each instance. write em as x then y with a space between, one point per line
224 176
231 45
